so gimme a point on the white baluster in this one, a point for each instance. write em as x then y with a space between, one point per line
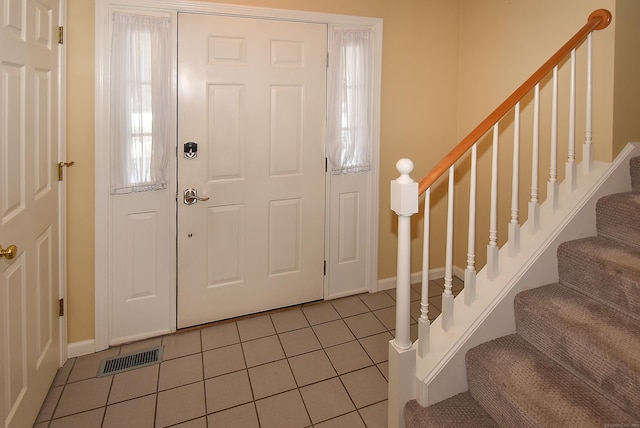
570 169
423 322
587 148
402 356
552 184
534 204
470 271
514 225
404 201
492 248
447 295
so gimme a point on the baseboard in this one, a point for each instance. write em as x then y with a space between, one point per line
416 277
138 337
78 349
347 293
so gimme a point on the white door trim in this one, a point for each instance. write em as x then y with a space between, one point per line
62 187
103 10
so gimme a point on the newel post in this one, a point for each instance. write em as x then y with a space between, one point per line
402 355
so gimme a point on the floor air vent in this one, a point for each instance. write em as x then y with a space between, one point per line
131 361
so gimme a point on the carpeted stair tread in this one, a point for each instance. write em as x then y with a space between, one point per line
634 166
618 218
597 344
459 411
520 387
604 270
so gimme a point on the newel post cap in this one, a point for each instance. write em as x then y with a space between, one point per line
404 191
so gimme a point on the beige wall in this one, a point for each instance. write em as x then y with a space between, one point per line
418 117
494 35
626 116
502 43
80 179
446 64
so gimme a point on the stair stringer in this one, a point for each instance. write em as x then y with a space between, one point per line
442 372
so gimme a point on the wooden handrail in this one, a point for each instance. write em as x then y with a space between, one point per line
598 20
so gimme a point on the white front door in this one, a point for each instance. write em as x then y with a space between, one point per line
29 322
251 95
350 238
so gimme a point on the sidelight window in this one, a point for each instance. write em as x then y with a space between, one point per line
350 100
139 102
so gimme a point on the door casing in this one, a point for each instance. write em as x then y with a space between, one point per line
103 221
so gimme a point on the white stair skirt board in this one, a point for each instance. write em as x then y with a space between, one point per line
416 277
441 373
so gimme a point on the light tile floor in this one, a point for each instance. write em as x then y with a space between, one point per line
321 364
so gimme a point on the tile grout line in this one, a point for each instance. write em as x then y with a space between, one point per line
246 367
204 384
321 347
340 375
106 404
64 385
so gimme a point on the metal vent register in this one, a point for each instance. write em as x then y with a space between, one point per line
131 361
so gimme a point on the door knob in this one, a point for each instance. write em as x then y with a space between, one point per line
9 253
190 197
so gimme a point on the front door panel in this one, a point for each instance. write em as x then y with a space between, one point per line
251 95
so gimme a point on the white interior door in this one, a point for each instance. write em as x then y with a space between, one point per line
251 94
29 322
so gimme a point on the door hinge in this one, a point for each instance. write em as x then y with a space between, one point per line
61 307
61 165
60 35
324 268
327 59
326 164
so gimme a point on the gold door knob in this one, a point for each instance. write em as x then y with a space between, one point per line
9 253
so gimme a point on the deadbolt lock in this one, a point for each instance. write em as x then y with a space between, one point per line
190 150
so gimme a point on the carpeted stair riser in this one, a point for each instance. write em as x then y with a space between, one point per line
634 166
597 344
618 218
459 411
603 270
520 387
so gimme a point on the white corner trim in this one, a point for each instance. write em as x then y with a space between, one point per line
200 6
62 188
78 349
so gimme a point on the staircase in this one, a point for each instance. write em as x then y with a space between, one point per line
575 358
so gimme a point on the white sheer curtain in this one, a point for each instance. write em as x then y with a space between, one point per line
140 105
350 100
